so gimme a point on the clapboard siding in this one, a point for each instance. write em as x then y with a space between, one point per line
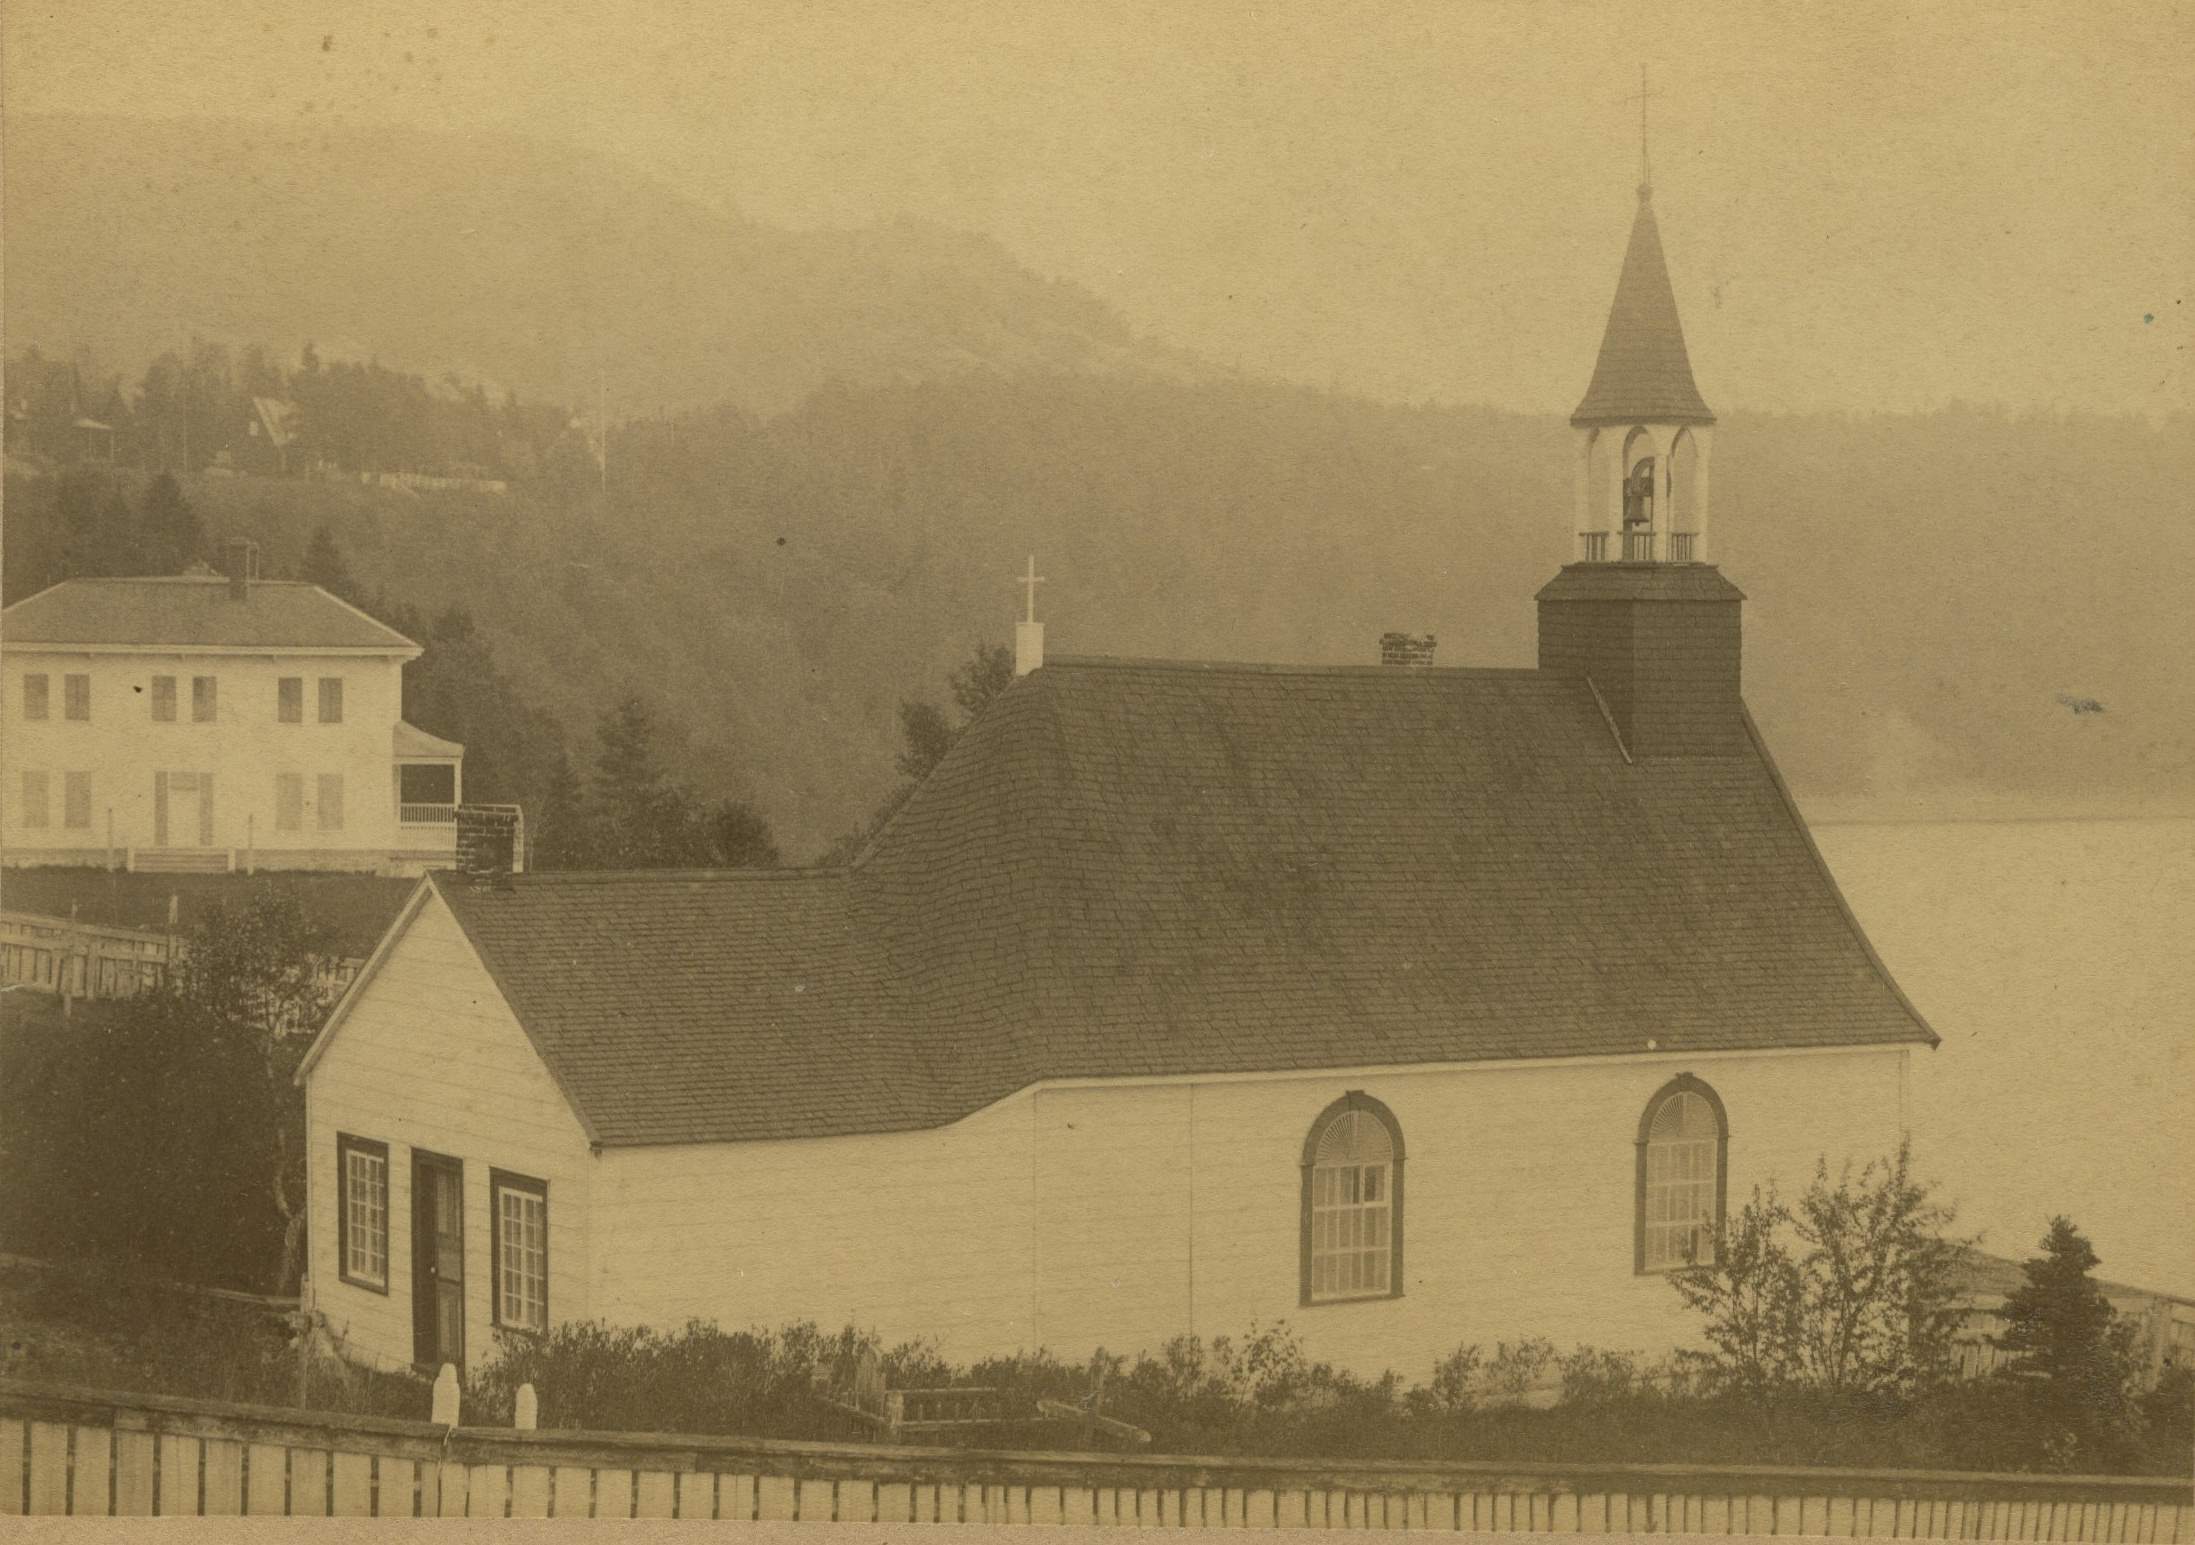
1070 1217
1168 1209
909 1234
430 1057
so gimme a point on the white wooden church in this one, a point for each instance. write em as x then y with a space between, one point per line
1412 1006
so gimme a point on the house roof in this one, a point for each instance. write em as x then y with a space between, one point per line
1130 869
192 611
277 418
1643 374
1983 1275
409 739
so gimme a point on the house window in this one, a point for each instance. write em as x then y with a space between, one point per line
521 1251
289 801
163 699
1352 1203
331 700
36 698
331 802
76 799
35 812
203 701
1683 1165
76 697
363 1198
289 700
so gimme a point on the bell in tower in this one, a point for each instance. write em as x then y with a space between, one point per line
1643 429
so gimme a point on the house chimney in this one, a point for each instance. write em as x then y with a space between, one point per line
491 843
1029 633
241 561
1405 649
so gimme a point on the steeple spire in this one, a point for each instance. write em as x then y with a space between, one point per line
1643 372
1646 165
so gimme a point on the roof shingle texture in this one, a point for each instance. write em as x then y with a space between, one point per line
1643 374
1129 869
194 611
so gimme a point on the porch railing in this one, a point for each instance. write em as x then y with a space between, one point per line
1638 547
1592 546
1680 546
411 813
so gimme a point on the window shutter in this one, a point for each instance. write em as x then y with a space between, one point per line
159 809
205 810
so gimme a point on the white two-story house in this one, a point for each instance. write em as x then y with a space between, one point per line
203 722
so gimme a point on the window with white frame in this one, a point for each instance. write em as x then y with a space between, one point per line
362 1195
163 699
205 699
330 802
289 700
76 697
331 700
1352 1203
1683 1152
76 799
521 1251
37 697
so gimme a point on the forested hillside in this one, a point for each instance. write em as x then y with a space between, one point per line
1930 598
507 261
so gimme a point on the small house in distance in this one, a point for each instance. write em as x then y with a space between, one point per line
1411 1004
209 722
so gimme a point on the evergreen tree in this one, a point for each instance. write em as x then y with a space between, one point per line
172 534
639 815
324 566
2073 1353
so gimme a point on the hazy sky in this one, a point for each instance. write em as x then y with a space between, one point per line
1863 204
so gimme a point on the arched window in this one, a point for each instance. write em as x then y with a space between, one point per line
1352 1202
1684 1155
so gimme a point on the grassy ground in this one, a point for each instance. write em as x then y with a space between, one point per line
100 1329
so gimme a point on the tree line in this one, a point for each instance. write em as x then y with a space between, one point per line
196 408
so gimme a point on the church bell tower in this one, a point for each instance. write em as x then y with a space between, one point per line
1639 611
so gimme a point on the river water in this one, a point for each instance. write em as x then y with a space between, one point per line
2057 961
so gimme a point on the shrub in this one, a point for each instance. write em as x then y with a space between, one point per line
1851 1291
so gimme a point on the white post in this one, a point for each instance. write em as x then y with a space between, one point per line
445 1397
526 1415
1702 441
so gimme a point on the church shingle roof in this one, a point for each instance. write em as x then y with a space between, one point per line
1643 374
195 611
1140 868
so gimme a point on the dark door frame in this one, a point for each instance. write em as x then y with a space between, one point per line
427 1353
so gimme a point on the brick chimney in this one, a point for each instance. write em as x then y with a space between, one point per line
1404 649
1660 645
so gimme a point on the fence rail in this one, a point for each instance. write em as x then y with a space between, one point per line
86 1452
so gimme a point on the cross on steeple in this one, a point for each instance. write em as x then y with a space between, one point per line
1646 170
1029 582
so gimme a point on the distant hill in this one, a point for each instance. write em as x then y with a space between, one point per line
504 260
1929 597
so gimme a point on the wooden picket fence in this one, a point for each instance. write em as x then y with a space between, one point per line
86 1452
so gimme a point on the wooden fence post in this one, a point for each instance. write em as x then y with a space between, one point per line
526 1414
445 1397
